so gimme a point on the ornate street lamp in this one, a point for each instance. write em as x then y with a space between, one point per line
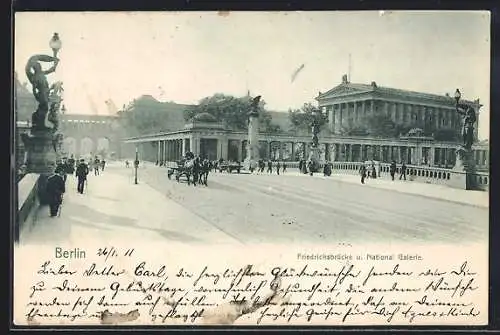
42 141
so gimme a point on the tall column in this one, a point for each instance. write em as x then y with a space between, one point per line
165 158
355 113
293 151
331 118
183 146
393 112
158 151
337 118
363 108
387 112
341 116
350 159
449 117
372 107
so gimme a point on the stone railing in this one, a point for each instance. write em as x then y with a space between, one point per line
482 180
27 202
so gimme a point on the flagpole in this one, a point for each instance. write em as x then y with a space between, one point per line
349 70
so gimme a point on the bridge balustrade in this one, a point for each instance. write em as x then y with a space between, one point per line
27 203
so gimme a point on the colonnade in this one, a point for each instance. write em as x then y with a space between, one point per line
349 114
235 149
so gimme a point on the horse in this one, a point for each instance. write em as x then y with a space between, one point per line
205 167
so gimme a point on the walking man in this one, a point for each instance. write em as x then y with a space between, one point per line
362 172
403 171
97 163
284 166
55 190
103 164
393 169
278 167
82 171
269 166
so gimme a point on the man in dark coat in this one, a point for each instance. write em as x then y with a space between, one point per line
362 172
269 166
392 169
82 171
55 190
278 167
403 171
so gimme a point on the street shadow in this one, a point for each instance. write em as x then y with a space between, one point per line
120 221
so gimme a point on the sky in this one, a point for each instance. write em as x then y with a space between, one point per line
185 56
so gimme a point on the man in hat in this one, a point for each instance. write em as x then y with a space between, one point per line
55 190
82 170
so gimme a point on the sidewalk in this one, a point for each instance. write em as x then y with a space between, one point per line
442 192
114 208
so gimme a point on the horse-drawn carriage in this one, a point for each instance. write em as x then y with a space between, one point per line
191 168
230 167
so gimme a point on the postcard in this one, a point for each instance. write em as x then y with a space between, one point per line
251 168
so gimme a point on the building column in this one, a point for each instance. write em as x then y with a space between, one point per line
341 116
363 109
393 112
355 114
336 112
293 151
372 107
331 118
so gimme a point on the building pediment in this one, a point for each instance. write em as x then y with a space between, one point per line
341 91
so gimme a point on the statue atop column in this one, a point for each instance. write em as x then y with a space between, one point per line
253 135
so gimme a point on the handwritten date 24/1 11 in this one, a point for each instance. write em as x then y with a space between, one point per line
113 252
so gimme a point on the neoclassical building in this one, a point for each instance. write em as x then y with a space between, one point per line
348 106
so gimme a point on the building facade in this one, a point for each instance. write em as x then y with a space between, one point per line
420 116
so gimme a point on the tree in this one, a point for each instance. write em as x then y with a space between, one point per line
232 111
302 119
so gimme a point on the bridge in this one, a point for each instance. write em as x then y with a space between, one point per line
254 208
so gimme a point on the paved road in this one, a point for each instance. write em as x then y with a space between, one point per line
286 208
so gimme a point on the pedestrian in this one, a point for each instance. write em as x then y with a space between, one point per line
71 165
392 169
284 166
310 167
374 171
269 166
96 166
278 167
55 190
82 170
127 164
362 173
403 171
61 169
103 164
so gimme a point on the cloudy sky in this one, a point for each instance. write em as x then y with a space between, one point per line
184 57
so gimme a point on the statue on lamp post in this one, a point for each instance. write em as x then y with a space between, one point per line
43 143
468 120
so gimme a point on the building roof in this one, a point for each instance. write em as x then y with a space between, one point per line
347 88
205 117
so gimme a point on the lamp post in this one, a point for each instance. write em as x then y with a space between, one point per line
136 164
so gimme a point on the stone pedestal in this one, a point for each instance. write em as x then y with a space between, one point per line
314 157
253 144
462 175
41 157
